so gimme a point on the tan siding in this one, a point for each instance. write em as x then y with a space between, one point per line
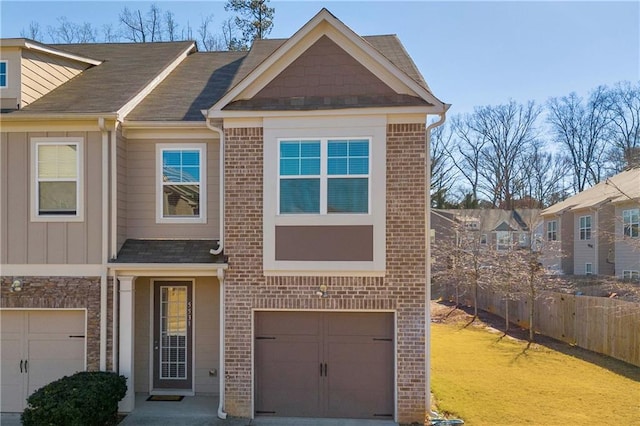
17 197
207 335
121 154
50 242
3 197
42 73
142 335
141 194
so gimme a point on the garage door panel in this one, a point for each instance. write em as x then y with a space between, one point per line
66 322
344 368
287 323
45 354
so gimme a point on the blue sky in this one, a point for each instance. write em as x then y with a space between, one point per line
471 53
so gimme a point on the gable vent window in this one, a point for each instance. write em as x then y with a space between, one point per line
326 176
57 178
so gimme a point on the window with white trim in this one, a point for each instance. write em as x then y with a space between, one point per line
631 223
3 73
324 176
503 239
631 275
181 183
483 239
585 227
588 269
552 230
57 178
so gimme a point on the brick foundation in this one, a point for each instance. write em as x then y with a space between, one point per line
401 290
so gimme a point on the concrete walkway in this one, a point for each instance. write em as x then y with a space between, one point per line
202 411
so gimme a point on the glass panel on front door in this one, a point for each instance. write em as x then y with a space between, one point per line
173 334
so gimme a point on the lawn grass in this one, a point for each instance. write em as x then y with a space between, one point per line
486 378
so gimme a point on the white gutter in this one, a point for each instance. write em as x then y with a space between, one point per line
221 185
221 370
105 243
427 293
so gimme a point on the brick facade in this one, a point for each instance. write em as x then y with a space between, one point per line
401 290
64 293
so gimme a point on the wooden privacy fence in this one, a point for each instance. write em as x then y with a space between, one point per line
599 324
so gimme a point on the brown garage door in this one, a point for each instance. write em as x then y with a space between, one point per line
324 364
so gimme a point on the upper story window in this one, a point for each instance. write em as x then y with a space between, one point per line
552 230
181 189
57 182
3 73
325 176
585 227
483 239
631 223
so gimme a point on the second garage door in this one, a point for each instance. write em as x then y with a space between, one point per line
324 364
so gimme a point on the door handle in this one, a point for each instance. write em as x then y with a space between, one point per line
21 361
26 363
325 369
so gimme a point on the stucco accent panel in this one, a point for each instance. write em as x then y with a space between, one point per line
324 243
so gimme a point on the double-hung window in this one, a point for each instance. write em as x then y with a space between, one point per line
503 240
3 73
57 178
631 223
324 176
552 230
181 177
585 227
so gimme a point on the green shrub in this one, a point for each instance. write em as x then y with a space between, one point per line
87 398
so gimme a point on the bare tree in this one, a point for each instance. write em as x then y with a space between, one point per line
210 42
509 131
133 25
109 35
442 166
254 19
468 156
171 26
625 124
33 32
541 177
231 40
580 129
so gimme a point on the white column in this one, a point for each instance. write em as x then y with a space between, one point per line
127 341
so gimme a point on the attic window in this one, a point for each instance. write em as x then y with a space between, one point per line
3 73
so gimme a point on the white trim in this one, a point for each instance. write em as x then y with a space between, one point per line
52 270
332 270
588 265
126 344
175 269
129 106
80 178
33 45
202 183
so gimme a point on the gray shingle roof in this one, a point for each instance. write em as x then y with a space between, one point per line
200 80
168 251
126 70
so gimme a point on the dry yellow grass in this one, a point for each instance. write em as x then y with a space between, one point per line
487 379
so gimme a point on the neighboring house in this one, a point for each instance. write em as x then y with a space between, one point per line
243 224
492 228
596 232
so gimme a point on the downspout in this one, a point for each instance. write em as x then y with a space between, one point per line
221 186
221 370
221 413
105 243
427 293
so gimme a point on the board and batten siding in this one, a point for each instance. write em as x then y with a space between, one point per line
141 193
27 242
41 73
627 250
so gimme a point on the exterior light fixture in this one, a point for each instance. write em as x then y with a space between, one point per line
16 286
